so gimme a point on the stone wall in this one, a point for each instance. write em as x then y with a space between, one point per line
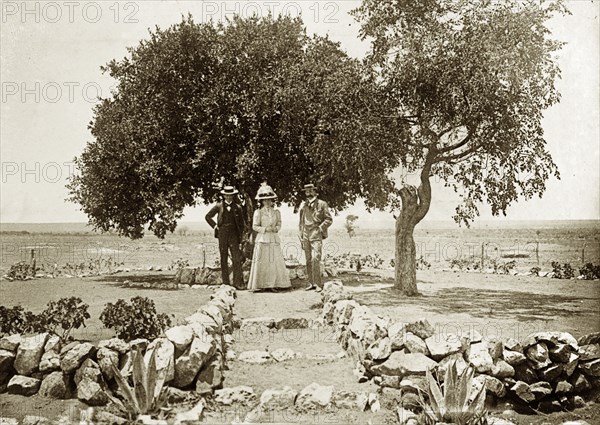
548 371
190 357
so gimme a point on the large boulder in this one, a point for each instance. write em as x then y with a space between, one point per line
188 364
553 338
29 353
523 391
314 396
401 364
56 385
502 369
513 358
278 398
202 323
255 356
76 356
165 358
366 326
380 349
492 385
23 385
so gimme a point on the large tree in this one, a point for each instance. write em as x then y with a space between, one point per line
471 78
239 102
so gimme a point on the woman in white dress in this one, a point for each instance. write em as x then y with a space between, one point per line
268 267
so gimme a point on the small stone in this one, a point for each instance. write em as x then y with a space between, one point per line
10 342
283 354
513 358
578 402
348 399
106 358
91 393
421 328
414 344
49 362
523 391
589 352
241 394
404 415
76 355
551 373
255 356
175 395
480 357
524 373
402 364
55 385
278 398
563 387
512 344
443 345
580 382
210 376
23 385
593 338
380 349
571 365
52 344
538 354
502 369
29 354
492 385
117 344
180 336
560 353
314 395
33 420
540 389
89 369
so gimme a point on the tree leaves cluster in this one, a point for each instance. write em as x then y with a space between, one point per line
247 100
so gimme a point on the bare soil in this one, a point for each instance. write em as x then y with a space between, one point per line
495 305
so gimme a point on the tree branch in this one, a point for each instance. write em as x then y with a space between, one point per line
458 145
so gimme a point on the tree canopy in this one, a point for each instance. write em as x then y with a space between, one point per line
471 78
245 101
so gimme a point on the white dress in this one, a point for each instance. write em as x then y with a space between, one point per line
268 266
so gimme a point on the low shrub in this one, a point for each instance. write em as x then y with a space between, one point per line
535 271
589 271
136 320
60 318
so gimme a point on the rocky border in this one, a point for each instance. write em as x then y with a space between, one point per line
548 371
191 357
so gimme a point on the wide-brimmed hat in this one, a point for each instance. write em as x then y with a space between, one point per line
229 190
265 192
309 186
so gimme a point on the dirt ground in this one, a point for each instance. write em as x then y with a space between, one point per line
494 305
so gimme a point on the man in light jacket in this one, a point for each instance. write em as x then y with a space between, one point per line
315 219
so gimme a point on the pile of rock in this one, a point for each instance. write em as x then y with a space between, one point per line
189 357
549 370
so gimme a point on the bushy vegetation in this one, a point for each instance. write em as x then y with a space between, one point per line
476 263
137 319
588 271
60 318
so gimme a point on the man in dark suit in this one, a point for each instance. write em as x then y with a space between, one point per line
315 219
229 228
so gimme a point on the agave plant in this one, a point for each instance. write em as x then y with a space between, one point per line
456 401
146 395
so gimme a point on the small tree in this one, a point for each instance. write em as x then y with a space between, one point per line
350 226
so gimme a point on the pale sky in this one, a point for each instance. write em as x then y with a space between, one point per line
50 58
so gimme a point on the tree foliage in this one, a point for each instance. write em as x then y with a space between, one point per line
471 78
244 101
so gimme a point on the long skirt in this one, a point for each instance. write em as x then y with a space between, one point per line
268 267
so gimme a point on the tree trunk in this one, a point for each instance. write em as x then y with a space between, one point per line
405 261
415 204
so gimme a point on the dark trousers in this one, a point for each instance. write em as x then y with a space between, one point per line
229 241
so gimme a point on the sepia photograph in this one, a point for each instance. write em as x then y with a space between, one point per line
300 212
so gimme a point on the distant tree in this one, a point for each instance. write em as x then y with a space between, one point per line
471 79
241 102
349 225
